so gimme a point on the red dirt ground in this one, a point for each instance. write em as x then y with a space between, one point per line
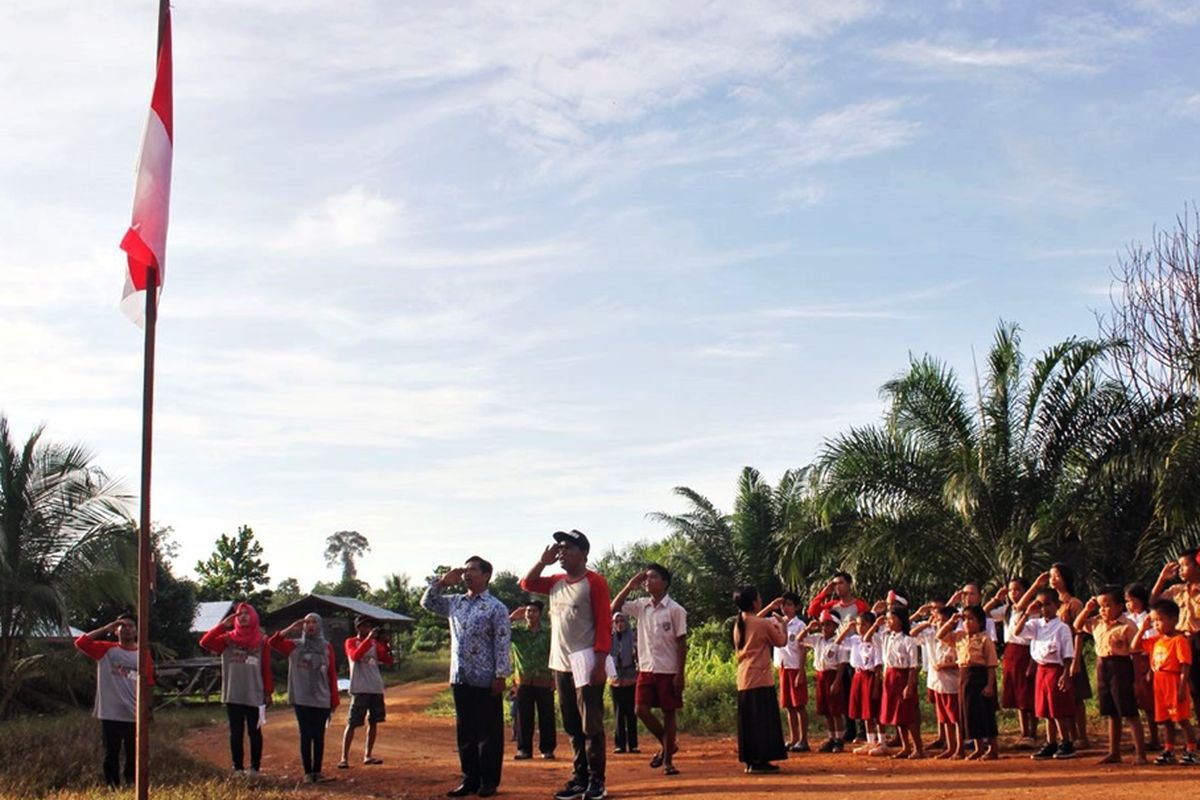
420 762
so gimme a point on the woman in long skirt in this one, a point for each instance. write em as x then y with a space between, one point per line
759 731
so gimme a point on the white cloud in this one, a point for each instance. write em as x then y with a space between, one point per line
354 218
986 55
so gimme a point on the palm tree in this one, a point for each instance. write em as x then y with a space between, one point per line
63 528
947 488
718 551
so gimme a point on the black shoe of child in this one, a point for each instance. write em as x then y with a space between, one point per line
1189 759
1065 750
1165 758
838 746
828 746
1047 751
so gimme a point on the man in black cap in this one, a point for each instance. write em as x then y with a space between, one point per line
580 640
366 651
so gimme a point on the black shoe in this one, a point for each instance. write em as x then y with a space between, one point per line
595 791
1065 750
619 750
462 790
572 791
838 746
1166 757
635 750
547 756
1047 751
522 756
1189 759
486 791
828 746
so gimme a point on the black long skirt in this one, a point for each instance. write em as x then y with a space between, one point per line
978 711
759 730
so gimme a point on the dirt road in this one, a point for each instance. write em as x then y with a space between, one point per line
420 763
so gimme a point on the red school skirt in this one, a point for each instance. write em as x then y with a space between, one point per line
830 703
894 708
864 702
1017 689
791 695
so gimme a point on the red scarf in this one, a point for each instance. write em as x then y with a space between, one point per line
249 636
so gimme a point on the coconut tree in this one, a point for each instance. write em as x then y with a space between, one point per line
63 526
950 487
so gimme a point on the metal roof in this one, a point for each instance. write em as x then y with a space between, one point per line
209 613
366 609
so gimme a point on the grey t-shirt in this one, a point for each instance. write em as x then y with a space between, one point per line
241 675
308 678
116 685
364 673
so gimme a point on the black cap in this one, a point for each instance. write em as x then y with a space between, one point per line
573 537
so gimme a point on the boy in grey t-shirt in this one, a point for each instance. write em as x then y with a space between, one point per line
116 692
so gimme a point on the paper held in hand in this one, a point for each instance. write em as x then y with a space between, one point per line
584 661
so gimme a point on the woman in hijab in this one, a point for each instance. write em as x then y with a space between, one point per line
246 680
312 687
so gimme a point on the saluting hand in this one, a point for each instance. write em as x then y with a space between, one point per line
550 554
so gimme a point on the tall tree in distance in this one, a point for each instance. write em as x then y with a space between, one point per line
235 570
343 548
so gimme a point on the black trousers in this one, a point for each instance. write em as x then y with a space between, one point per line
312 721
541 700
625 736
583 720
479 723
244 717
852 730
115 736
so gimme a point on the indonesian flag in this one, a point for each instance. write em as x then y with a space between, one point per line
145 242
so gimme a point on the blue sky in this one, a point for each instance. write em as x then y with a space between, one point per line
458 275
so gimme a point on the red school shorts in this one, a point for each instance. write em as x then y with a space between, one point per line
657 690
1049 701
864 697
830 703
791 695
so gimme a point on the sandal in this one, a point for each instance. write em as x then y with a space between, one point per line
343 765
657 761
670 770
372 760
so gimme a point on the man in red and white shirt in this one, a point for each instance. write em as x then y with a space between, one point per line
580 640
662 652
366 651
116 692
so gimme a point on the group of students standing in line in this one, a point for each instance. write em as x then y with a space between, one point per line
867 660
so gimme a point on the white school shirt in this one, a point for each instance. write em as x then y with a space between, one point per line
791 655
935 651
658 630
1137 618
900 651
1010 626
827 653
863 655
1050 641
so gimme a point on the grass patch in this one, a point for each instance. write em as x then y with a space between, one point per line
59 757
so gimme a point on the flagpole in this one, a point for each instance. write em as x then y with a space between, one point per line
145 692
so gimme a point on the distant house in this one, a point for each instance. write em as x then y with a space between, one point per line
55 633
338 613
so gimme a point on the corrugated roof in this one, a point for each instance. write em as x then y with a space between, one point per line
359 607
209 613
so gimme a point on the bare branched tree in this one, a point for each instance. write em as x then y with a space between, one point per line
1155 311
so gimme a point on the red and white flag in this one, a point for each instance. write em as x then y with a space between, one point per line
145 242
